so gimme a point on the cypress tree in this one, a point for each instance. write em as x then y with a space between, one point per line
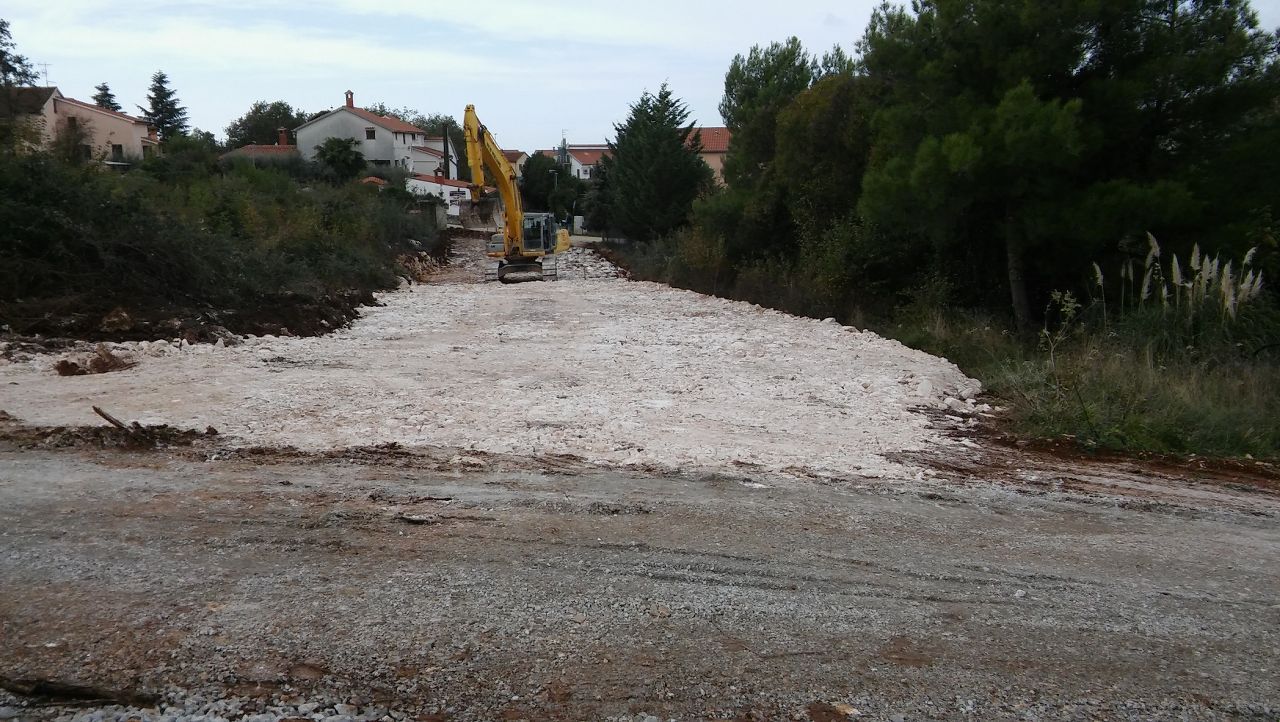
104 98
163 110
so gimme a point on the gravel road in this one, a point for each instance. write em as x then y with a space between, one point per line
266 584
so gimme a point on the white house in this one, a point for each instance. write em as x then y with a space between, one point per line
451 190
382 139
428 158
581 158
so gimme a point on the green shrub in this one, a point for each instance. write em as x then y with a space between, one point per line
187 231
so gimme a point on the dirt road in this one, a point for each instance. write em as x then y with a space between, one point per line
762 561
521 595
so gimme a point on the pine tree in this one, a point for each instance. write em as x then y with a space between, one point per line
164 113
104 98
14 69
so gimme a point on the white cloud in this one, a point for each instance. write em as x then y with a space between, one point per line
533 67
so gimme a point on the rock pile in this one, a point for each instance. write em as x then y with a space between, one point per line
577 264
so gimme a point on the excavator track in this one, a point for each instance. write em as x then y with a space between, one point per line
550 268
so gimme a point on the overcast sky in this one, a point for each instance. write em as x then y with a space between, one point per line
533 69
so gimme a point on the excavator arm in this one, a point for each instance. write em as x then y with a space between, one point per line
484 154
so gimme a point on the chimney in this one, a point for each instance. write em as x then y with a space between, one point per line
351 99
283 138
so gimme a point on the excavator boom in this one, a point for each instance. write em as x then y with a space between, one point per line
527 240
484 153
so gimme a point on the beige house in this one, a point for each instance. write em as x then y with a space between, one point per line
517 159
715 144
106 135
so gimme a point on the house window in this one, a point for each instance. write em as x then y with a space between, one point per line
73 123
117 153
86 152
368 133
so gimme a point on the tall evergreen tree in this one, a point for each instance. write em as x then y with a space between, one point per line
15 69
656 172
1028 138
163 110
104 98
756 88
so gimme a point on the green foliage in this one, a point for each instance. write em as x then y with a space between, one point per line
1035 134
181 232
538 180
983 154
15 69
547 186
163 110
104 98
823 148
654 170
262 122
186 158
596 209
756 88
341 158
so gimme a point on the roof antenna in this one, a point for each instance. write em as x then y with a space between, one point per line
44 68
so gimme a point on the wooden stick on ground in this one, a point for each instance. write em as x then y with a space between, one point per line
112 420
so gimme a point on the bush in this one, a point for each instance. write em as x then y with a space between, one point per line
1121 388
185 231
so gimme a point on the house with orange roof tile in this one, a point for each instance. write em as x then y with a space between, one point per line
715 145
281 149
384 140
113 138
581 158
517 159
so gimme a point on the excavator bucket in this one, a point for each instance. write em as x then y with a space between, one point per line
483 214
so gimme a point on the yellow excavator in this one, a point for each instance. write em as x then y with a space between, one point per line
525 249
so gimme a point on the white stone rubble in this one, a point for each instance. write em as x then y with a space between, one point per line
620 373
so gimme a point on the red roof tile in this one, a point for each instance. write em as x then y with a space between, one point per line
441 180
714 139
100 109
588 156
262 150
394 125
512 155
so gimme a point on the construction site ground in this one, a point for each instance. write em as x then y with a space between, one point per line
597 499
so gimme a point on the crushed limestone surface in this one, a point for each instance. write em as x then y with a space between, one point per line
620 373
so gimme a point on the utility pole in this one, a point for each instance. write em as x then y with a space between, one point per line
444 130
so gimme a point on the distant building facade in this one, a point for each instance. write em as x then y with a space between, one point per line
108 136
715 145
382 139
256 151
581 158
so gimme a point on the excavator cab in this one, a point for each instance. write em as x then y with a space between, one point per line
539 233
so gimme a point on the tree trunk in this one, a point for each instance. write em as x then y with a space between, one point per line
1017 281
